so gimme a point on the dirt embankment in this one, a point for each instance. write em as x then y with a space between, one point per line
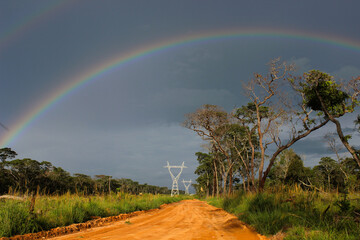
189 219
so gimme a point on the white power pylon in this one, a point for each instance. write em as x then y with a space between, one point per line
175 186
187 185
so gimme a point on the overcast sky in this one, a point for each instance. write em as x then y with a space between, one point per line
127 123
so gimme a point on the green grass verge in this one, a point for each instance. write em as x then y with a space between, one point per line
56 211
300 215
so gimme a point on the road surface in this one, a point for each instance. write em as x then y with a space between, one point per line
189 219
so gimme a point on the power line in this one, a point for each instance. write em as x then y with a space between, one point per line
3 126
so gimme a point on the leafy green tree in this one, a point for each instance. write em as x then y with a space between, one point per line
59 181
83 183
243 148
353 174
288 168
205 170
7 153
331 173
296 172
103 183
323 94
5 180
28 174
247 117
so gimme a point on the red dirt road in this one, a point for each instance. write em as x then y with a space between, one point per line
189 219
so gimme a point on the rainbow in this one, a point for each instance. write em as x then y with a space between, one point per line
97 72
27 23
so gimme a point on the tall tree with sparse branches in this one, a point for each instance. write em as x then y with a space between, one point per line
211 123
280 120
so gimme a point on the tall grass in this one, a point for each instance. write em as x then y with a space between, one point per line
17 217
300 214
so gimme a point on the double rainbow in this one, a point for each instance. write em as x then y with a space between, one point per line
96 72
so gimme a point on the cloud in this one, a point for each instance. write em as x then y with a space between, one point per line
301 64
347 72
136 153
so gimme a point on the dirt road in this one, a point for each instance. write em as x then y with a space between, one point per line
189 219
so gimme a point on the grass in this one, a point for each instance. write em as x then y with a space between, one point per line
299 214
20 217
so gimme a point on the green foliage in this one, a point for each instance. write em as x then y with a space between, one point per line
6 153
15 218
328 171
248 112
57 211
205 172
288 169
28 175
329 175
321 85
297 213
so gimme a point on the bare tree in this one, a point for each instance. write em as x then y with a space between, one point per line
336 148
277 114
211 123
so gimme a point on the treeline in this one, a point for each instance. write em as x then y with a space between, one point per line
245 145
28 176
288 170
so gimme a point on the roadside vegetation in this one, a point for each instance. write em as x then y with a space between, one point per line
292 213
37 196
250 169
40 213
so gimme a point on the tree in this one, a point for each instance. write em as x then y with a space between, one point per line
274 112
288 168
243 148
322 93
211 123
296 171
103 183
7 153
206 172
247 116
83 183
27 173
59 181
328 167
352 170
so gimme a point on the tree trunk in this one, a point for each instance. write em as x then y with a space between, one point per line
230 180
262 149
344 141
252 161
216 185
225 175
339 130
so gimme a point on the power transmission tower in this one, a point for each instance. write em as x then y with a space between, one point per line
175 186
187 185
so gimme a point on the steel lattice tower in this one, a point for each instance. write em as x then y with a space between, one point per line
175 186
187 185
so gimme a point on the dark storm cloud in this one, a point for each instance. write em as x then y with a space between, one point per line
127 124
133 153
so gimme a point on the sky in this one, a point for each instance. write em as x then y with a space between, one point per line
126 121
